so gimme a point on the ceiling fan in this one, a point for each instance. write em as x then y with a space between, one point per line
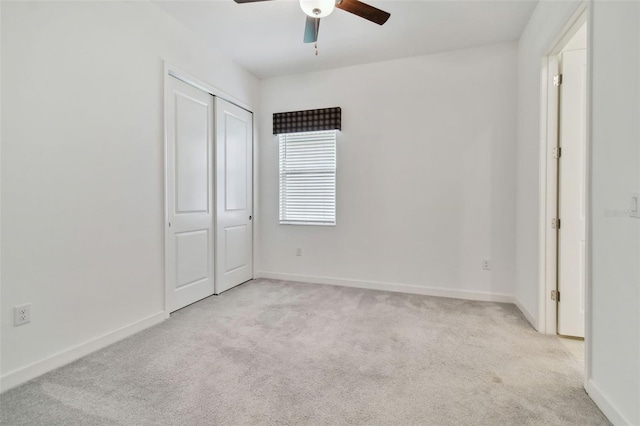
316 9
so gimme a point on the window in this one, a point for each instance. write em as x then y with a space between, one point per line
308 178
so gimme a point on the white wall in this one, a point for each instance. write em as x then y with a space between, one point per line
615 338
543 27
1 308
82 169
426 175
614 383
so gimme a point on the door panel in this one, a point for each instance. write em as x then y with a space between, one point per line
189 233
234 192
236 163
235 240
572 195
192 257
192 161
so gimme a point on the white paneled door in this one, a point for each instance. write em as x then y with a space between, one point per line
234 195
190 232
572 195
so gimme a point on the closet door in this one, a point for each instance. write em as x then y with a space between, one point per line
189 189
234 195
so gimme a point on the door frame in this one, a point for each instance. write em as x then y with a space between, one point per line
547 308
172 71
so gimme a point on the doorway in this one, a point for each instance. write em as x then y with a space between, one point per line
565 296
209 194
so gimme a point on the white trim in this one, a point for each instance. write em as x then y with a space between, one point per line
255 188
395 287
1 154
549 173
604 404
588 345
547 246
548 239
165 219
526 313
38 368
548 178
570 28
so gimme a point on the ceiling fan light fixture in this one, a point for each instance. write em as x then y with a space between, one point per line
317 8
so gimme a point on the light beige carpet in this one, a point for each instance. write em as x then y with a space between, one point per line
273 352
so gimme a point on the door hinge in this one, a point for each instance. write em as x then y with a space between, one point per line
555 295
555 223
557 80
557 152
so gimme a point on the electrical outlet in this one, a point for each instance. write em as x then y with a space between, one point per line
299 251
22 314
486 265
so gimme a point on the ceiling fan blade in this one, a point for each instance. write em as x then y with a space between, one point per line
311 28
363 10
248 1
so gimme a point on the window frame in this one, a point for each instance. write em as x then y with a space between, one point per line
282 139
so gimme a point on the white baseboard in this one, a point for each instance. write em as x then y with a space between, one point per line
400 288
613 414
526 313
38 368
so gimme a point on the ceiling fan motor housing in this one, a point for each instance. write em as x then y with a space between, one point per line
317 8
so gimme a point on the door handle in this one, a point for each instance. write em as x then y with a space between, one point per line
249 217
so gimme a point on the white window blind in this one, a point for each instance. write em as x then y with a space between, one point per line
308 178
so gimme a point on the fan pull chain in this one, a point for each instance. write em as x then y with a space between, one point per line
317 28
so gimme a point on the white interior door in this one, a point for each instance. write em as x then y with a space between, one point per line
189 227
572 195
234 195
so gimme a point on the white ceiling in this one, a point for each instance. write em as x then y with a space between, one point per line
266 37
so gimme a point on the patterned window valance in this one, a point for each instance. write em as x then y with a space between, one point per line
311 120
